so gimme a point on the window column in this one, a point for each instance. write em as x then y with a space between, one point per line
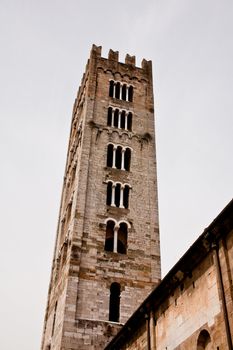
115 239
126 121
113 196
120 96
114 157
123 159
121 197
114 90
112 121
127 93
119 120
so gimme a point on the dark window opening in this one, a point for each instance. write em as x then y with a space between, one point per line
127 159
118 157
126 197
203 340
110 155
111 88
109 236
109 193
109 122
129 121
130 93
123 120
124 87
117 195
116 116
117 92
114 302
122 239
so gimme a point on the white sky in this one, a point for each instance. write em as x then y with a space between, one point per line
44 47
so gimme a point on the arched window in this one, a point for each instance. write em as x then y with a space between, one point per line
110 155
126 197
127 158
124 92
109 121
122 238
130 93
111 88
109 239
109 193
116 118
117 195
114 302
123 120
129 124
204 341
116 237
118 157
121 91
118 89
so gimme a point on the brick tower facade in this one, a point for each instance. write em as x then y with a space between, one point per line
107 251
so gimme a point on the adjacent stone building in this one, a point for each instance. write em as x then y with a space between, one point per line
107 250
192 307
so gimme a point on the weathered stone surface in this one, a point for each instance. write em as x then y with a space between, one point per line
78 303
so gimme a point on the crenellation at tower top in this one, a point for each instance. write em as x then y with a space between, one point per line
113 56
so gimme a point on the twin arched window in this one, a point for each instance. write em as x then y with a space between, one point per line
119 119
118 194
118 157
116 237
121 91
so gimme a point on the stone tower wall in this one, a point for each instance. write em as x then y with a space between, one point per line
77 315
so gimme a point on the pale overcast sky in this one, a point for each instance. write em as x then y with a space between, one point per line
44 49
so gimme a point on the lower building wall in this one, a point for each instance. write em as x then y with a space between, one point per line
193 307
89 334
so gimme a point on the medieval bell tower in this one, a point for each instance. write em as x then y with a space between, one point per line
107 252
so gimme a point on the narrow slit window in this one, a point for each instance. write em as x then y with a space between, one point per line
114 302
